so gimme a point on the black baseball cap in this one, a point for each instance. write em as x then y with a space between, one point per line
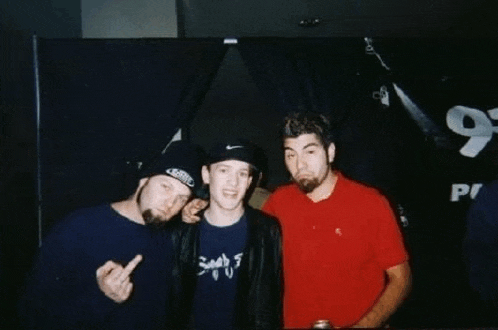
234 149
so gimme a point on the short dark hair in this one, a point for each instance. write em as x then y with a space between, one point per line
299 123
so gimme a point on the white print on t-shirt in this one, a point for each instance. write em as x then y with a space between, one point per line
214 266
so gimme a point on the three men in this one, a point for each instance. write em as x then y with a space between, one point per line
341 240
344 256
231 260
63 292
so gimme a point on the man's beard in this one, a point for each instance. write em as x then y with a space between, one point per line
308 185
153 221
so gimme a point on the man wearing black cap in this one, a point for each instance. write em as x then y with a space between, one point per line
230 262
66 292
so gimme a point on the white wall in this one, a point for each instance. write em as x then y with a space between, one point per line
129 19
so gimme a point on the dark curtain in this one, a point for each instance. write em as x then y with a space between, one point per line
440 74
107 106
447 88
340 78
310 74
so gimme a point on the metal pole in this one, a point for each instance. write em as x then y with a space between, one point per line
38 162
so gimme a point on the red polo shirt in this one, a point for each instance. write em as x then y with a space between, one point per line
336 252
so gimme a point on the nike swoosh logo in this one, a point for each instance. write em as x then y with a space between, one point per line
229 147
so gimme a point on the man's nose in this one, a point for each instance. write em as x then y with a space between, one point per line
233 179
300 163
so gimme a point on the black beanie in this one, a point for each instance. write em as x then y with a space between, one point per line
181 160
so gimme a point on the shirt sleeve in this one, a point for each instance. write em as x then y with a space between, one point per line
390 247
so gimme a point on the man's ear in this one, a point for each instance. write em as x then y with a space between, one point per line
249 182
142 183
205 174
331 152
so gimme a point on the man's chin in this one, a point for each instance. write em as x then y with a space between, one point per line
307 186
153 220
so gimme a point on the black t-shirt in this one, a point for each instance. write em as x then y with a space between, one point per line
221 253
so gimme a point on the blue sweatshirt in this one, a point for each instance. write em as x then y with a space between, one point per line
62 290
481 243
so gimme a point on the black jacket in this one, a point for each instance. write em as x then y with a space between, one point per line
260 281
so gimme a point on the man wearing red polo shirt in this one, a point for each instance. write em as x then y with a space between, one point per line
344 257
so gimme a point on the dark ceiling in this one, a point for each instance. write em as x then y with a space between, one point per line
325 18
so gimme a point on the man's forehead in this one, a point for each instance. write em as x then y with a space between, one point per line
164 178
232 163
302 141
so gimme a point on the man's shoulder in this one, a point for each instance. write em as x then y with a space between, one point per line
85 213
69 230
178 230
89 211
286 188
360 189
263 225
261 219
284 193
93 213
253 213
83 217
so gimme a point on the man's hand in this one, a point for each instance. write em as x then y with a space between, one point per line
189 211
114 280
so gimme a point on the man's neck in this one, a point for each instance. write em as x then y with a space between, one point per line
128 208
219 217
324 190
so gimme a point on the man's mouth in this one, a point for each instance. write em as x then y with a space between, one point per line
304 176
229 193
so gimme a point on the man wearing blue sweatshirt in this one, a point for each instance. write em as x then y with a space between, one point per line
108 267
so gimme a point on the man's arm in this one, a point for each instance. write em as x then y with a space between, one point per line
397 289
